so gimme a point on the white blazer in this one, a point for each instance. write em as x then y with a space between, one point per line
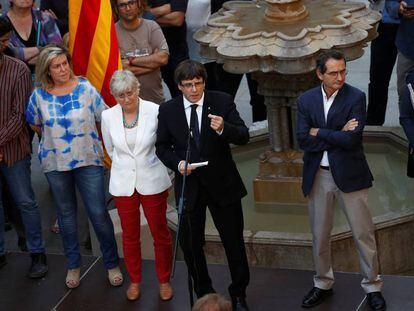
140 169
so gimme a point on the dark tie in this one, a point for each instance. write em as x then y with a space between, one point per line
194 126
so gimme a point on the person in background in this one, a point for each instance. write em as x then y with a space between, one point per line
32 30
404 11
143 48
383 57
137 178
15 150
58 9
407 109
65 110
212 302
170 15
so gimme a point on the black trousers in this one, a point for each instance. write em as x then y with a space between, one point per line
383 57
229 83
229 223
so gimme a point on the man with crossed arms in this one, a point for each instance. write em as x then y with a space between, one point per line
330 121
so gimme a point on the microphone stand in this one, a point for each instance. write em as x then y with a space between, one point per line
180 211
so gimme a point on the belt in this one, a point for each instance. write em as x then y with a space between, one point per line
326 168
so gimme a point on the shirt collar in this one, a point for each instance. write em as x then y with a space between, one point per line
187 103
325 97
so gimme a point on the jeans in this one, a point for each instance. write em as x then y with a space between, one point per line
18 180
90 182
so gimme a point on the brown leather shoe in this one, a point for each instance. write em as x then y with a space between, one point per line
166 291
133 291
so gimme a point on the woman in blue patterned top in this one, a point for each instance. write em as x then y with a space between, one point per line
64 111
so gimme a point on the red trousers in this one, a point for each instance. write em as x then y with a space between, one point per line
154 207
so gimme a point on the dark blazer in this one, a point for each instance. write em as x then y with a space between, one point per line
220 177
345 151
406 109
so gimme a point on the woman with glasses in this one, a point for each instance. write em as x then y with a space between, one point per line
137 178
64 110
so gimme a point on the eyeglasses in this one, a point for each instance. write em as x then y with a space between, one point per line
190 86
335 74
125 95
124 5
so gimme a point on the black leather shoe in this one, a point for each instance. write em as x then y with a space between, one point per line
315 297
39 268
376 301
3 261
239 304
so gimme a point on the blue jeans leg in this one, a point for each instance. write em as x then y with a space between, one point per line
90 183
18 179
62 185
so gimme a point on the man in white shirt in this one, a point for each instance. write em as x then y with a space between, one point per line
330 122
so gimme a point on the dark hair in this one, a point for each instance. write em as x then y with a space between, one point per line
5 25
327 55
188 70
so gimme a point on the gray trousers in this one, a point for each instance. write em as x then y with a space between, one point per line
321 214
404 65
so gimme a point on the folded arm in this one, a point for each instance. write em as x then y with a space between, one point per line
351 138
170 14
307 142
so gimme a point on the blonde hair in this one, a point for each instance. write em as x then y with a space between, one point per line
212 302
45 58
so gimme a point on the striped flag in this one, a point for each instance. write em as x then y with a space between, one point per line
93 43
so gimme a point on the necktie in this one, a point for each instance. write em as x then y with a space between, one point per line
194 126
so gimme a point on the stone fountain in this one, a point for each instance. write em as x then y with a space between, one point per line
278 41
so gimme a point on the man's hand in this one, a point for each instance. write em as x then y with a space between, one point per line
404 11
313 131
182 168
217 122
350 125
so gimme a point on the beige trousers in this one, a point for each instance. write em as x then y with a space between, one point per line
321 212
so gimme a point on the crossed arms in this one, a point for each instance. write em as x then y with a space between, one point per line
316 139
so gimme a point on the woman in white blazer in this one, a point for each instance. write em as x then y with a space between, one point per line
137 178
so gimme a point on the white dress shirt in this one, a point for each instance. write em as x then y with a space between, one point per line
199 110
327 103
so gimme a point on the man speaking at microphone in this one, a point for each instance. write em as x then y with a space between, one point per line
212 121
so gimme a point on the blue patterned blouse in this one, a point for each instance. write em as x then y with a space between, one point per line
69 135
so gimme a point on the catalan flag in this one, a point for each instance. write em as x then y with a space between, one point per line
93 43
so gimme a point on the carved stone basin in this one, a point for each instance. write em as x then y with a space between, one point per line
279 42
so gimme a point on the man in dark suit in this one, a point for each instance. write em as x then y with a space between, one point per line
214 123
330 122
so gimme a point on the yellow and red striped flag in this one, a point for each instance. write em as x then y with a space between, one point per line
93 43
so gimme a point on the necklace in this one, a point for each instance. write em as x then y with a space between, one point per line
132 124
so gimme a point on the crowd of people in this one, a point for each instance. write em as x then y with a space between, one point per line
147 137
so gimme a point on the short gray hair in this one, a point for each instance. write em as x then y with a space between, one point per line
123 81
